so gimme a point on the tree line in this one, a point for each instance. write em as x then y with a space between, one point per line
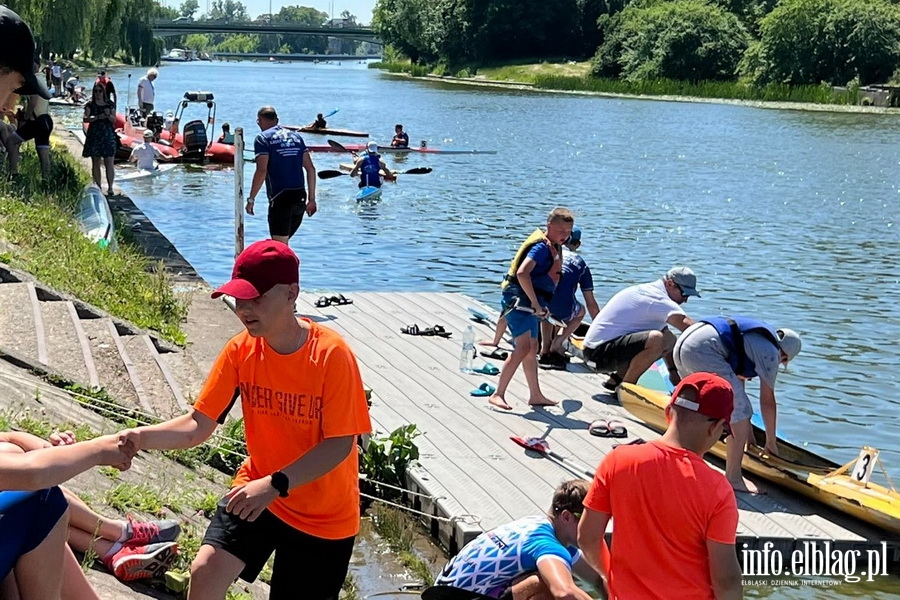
234 11
97 29
792 42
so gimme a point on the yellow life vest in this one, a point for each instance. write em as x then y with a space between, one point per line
537 236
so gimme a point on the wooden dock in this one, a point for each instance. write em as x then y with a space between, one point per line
472 477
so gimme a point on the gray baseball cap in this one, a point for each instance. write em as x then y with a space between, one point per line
685 279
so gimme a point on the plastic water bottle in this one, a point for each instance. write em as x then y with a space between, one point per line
467 355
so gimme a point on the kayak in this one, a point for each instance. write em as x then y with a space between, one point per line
327 131
796 469
389 150
132 174
368 193
95 217
66 103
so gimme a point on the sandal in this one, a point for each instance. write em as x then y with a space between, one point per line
439 330
496 354
340 300
323 302
485 389
487 369
411 330
608 429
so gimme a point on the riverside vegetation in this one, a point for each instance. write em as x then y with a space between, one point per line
789 50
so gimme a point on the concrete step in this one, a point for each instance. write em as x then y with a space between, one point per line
111 365
186 372
152 378
68 349
21 324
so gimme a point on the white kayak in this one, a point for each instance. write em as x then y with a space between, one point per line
95 217
368 193
131 174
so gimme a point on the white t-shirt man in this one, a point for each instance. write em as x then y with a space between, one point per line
145 90
642 307
145 156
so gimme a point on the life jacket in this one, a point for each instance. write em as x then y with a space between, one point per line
731 331
537 237
227 138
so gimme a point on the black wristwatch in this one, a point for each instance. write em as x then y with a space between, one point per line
280 483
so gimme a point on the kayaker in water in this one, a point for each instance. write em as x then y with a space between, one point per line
401 139
370 167
146 154
529 285
533 557
668 504
319 123
738 349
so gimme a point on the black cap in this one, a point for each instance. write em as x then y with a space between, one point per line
17 52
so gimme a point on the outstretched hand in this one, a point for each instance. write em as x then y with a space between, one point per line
113 452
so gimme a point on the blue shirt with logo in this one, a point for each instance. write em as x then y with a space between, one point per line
575 273
285 149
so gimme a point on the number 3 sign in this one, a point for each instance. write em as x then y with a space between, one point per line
862 470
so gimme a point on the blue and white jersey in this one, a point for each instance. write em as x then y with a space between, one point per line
490 563
285 149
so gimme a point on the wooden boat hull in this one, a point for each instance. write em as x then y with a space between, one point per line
796 469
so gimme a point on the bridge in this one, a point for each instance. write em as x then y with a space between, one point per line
164 28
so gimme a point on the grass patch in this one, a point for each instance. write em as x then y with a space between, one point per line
110 472
39 219
128 497
400 532
349 589
574 76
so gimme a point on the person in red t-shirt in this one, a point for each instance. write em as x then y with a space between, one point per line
674 517
297 494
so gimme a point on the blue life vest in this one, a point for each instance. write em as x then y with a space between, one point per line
731 331
370 167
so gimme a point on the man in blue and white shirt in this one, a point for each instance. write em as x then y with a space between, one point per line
530 556
281 158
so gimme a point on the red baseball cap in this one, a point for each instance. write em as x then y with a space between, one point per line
715 398
259 268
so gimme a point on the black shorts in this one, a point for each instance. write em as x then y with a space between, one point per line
615 355
305 566
286 212
37 130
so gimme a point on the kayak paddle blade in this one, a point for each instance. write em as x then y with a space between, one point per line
418 171
330 174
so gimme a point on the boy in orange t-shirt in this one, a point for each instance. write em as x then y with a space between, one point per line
302 397
674 517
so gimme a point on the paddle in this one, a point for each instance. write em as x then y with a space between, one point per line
331 174
542 446
340 147
334 112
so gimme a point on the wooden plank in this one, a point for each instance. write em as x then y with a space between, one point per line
467 463
130 369
167 373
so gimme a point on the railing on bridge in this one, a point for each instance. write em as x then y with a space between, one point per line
166 27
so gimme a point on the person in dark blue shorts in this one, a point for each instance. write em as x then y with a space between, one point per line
527 290
281 158
34 514
565 307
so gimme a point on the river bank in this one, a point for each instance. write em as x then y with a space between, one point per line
573 80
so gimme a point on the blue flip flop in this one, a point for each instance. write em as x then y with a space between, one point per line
477 315
487 369
485 389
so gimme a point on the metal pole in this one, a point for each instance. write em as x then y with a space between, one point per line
238 191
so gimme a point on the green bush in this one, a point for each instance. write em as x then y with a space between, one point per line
810 41
385 460
690 40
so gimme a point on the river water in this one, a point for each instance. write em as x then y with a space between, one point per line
790 216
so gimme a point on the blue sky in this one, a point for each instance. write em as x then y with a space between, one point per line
361 8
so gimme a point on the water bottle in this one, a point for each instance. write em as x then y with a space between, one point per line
467 355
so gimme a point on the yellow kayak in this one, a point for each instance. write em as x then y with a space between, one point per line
796 469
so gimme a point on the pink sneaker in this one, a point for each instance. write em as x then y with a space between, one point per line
142 562
152 532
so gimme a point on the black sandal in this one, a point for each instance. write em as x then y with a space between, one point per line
323 302
340 300
412 329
